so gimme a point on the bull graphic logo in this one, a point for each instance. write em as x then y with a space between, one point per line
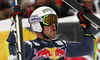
53 53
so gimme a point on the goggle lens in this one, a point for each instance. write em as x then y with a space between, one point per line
49 19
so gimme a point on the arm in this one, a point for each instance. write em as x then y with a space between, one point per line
12 36
12 47
87 45
79 49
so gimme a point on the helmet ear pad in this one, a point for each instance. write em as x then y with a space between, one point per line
39 27
44 35
36 27
42 26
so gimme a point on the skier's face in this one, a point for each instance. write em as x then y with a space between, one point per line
50 31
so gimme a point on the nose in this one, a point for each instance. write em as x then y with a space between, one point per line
53 25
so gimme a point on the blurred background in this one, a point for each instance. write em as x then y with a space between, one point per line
68 28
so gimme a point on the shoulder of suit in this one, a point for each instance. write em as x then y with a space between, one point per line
60 41
28 43
32 42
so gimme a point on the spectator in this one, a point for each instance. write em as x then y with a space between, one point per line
27 8
1 1
99 4
53 4
32 1
79 1
90 4
39 3
5 10
65 11
50 3
13 3
59 2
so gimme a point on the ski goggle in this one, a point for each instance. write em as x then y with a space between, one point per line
46 19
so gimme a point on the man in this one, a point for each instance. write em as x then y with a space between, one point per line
5 10
44 22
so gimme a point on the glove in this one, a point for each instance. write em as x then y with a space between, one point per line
84 23
16 10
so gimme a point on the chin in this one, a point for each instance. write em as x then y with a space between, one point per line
52 37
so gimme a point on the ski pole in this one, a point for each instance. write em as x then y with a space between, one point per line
19 34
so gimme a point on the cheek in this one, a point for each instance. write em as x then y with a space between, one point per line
47 30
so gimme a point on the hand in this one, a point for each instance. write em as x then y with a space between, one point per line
16 10
84 23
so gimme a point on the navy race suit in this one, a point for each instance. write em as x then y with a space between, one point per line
40 49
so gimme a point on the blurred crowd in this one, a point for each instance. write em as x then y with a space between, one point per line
28 6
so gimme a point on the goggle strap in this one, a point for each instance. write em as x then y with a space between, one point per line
36 19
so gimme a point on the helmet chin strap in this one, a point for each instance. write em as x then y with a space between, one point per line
45 36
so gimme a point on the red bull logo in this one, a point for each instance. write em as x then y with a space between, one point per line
53 53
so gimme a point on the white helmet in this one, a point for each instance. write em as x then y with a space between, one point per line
35 17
